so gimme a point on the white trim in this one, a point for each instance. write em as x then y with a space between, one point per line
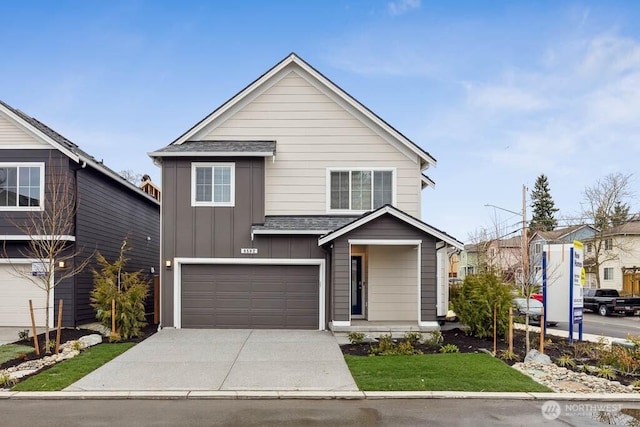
37 133
232 192
398 214
177 278
426 181
419 248
429 324
22 147
383 242
341 94
341 323
18 165
23 237
394 192
263 231
211 154
52 281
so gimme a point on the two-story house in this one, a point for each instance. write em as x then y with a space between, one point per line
539 241
619 258
292 205
105 209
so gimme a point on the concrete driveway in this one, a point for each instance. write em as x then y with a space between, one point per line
9 334
223 359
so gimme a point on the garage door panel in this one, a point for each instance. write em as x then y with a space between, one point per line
250 296
15 293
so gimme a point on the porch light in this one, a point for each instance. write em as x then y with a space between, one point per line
167 263
61 264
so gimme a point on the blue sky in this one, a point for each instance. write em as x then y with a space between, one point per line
497 92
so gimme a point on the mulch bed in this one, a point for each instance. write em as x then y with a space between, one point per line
67 334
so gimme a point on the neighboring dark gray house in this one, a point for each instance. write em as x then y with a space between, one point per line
292 205
109 209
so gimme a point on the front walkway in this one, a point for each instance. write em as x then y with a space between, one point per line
226 360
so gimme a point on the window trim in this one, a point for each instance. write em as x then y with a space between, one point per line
608 244
371 169
40 165
604 273
232 199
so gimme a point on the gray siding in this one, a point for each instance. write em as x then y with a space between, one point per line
207 232
55 163
109 213
385 227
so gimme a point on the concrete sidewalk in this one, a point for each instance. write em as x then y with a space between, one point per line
226 360
9 334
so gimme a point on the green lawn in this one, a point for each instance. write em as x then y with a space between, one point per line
12 351
439 372
66 373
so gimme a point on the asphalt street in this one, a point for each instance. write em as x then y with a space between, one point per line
390 412
610 326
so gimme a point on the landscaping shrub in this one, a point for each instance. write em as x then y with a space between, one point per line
356 337
129 289
475 302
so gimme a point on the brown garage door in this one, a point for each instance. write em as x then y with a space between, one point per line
250 296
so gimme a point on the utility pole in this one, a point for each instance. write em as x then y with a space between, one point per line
525 244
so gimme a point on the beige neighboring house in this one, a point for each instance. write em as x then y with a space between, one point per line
505 255
621 250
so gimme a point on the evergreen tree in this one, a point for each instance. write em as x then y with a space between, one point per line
620 214
543 206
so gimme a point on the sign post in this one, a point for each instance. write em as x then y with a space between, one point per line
576 280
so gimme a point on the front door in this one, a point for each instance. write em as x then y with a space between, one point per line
356 286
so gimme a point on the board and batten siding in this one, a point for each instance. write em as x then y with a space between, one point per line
393 283
219 232
109 213
312 133
384 227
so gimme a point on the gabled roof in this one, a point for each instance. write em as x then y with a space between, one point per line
218 148
630 227
397 213
294 60
68 148
427 182
559 233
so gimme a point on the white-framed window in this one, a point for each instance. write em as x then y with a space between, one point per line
537 248
360 189
608 273
21 186
589 247
608 244
470 269
213 184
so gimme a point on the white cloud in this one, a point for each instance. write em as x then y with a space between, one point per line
400 7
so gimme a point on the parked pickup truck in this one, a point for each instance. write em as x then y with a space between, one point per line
608 301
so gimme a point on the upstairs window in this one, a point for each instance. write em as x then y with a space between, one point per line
608 244
360 190
21 186
537 248
213 184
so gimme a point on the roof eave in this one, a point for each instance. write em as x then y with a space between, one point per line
156 154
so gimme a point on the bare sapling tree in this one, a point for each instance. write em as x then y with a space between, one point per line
48 245
605 205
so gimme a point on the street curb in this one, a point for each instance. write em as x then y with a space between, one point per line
307 395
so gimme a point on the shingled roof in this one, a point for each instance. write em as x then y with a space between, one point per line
74 149
313 224
196 148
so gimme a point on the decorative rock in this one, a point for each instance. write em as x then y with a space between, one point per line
537 357
90 340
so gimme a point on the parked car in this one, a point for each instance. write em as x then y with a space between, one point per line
535 310
608 301
537 297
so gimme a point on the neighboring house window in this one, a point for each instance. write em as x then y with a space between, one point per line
470 269
589 247
537 248
21 186
538 271
360 190
608 244
492 252
608 273
212 184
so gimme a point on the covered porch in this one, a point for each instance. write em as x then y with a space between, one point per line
389 274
